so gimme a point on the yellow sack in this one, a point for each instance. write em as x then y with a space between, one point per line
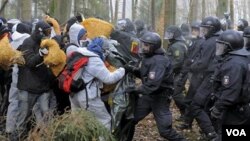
54 23
8 55
96 27
56 58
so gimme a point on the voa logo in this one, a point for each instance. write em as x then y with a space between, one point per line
236 132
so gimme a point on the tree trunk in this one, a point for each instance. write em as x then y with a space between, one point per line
194 12
153 14
123 9
169 19
133 10
62 10
111 10
35 8
203 8
245 7
116 10
232 10
221 8
26 10
248 9
2 9
170 9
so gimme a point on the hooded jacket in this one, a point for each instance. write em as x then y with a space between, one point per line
95 73
17 40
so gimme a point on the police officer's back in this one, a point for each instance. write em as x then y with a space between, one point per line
177 49
177 52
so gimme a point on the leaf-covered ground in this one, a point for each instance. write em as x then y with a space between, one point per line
147 130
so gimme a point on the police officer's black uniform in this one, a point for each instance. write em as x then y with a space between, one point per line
211 29
156 88
232 101
177 52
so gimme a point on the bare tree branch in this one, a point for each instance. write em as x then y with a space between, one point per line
3 6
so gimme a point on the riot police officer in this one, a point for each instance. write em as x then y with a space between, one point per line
156 88
242 24
232 104
186 33
211 29
125 25
196 77
177 52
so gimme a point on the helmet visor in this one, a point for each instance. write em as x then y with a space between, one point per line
220 48
240 23
168 35
121 25
247 42
145 48
204 31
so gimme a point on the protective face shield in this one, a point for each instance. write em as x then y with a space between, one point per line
247 43
240 23
224 24
220 48
168 35
204 31
121 25
146 49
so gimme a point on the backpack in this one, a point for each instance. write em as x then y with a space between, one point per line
70 80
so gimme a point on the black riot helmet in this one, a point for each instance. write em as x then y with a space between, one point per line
151 42
242 24
246 36
125 25
185 29
173 33
196 25
139 25
209 26
228 41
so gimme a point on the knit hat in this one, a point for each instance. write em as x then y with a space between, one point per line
96 47
21 28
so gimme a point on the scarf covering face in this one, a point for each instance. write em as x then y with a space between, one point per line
96 47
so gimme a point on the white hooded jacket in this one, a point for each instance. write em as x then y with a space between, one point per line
95 72
17 40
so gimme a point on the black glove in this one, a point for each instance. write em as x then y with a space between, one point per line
129 67
215 113
131 89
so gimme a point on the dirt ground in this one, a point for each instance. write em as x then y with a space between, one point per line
147 130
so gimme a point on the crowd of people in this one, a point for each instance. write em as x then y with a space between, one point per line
208 54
